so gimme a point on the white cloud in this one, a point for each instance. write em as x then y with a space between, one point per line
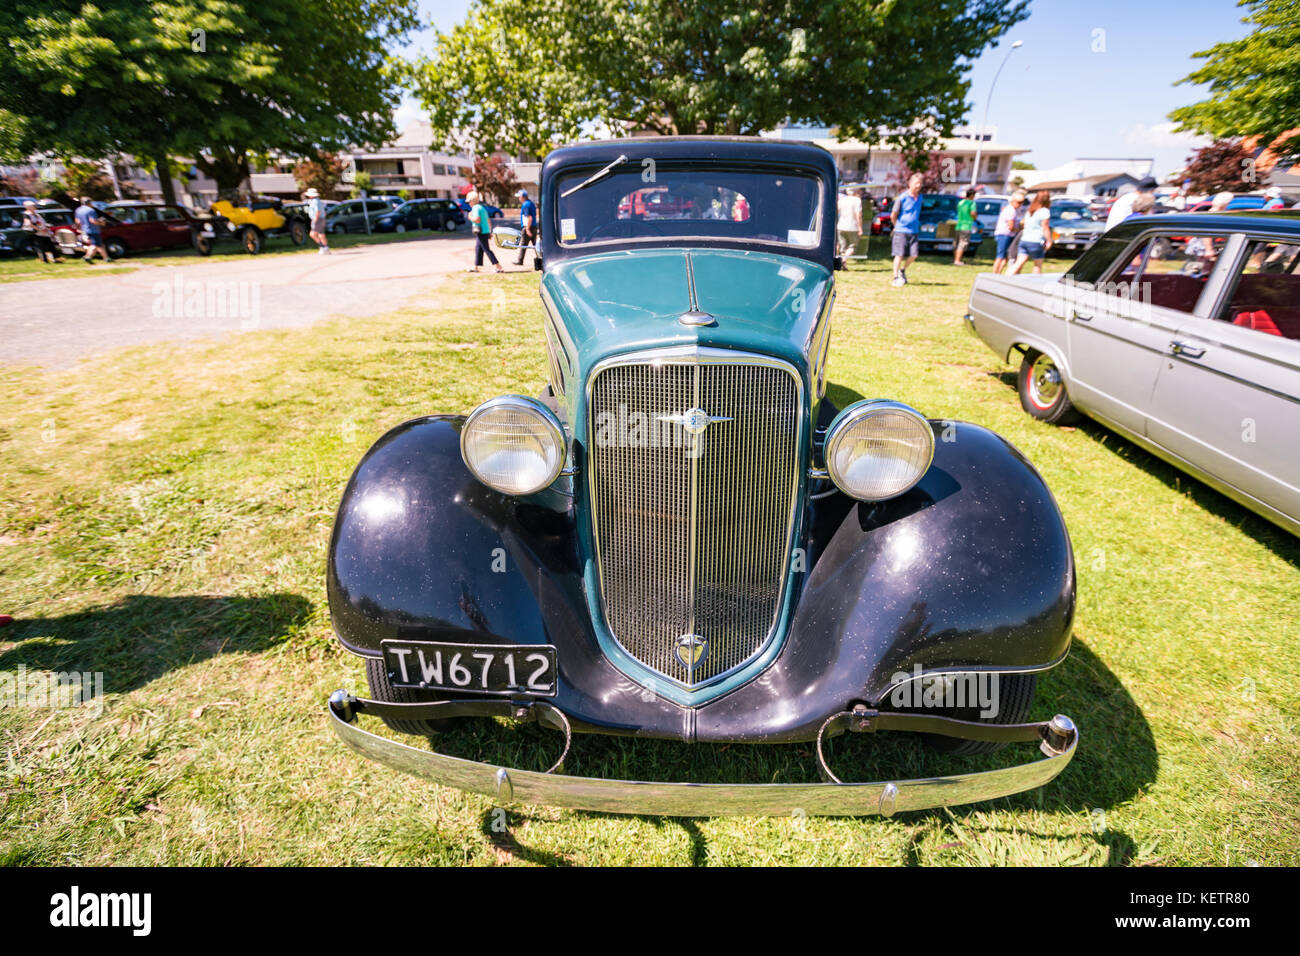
1162 136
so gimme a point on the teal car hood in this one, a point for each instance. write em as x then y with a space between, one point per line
605 305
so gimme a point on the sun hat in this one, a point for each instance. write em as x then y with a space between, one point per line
1274 192
312 193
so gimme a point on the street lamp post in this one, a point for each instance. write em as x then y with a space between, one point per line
975 169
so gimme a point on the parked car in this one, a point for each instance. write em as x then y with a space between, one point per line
1073 225
987 210
1182 333
16 241
492 211
939 222
133 226
684 536
421 214
251 220
351 215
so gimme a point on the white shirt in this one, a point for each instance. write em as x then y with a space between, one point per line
849 212
1121 208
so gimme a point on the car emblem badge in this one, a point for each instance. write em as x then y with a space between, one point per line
694 420
691 650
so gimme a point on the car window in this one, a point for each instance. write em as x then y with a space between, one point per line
939 203
378 205
167 214
10 218
131 214
1068 213
688 200
1266 292
1169 271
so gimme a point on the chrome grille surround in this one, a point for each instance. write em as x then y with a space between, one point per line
694 539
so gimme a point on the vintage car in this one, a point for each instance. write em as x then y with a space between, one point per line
682 536
1074 227
251 220
1182 333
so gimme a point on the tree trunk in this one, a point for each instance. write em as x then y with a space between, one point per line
164 168
229 167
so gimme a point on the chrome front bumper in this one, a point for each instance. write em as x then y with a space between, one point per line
1057 738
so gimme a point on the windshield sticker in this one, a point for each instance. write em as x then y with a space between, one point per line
568 229
801 237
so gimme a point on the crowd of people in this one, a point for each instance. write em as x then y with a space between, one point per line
1023 233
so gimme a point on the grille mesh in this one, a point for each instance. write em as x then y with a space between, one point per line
665 573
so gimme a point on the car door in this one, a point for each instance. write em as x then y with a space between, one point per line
1119 328
173 227
1228 394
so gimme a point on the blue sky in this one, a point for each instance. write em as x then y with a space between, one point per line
1057 95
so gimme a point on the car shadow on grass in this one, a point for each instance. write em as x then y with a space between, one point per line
141 637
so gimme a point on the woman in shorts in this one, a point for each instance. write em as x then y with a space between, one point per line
1036 234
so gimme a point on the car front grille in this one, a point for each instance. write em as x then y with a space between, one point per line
693 534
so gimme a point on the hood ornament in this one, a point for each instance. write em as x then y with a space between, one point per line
691 650
695 317
695 420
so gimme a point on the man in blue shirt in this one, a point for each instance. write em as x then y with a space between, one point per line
89 223
528 223
906 218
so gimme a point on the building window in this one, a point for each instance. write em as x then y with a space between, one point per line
995 164
862 165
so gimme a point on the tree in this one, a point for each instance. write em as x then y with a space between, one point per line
324 174
210 79
937 170
494 178
1021 164
1254 82
520 75
1224 165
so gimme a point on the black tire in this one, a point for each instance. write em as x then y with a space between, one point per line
1015 695
1042 389
400 227
250 239
382 689
339 229
202 244
297 231
115 248
449 225
26 248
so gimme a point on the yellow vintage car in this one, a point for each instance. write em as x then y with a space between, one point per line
252 220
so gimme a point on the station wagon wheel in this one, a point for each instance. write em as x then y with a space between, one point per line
382 689
115 248
1042 389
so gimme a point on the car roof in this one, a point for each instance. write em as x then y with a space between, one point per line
738 148
1252 220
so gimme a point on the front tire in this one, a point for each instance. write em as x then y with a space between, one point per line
449 225
400 227
115 248
1042 389
298 232
382 689
250 237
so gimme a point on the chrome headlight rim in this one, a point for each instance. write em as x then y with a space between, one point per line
852 414
544 414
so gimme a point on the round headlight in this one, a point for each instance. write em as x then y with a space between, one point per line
877 449
513 444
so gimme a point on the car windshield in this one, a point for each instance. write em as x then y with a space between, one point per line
986 207
939 203
1072 212
681 201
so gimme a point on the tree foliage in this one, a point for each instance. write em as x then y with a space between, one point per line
937 171
324 174
1224 165
212 79
1254 82
494 178
521 75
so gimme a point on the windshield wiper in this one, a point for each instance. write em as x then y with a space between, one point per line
594 177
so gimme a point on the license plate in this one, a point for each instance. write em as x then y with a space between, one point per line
941 246
479 668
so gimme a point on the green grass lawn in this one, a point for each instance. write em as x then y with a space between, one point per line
166 511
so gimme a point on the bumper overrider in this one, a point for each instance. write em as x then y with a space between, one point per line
1057 739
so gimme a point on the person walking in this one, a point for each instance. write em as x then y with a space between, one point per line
1007 230
1120 209
528 224
42 235
481 225
848 221
965 223
316 213
90 223
1035 234
906 217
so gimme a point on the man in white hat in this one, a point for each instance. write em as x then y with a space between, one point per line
1274 200
316 212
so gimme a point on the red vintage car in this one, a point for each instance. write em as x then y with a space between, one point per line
137 227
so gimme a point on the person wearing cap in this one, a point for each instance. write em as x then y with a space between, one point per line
42 236
480 223
316 212
1274 201
528 226
1122 208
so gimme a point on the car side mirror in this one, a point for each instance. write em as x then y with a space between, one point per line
507 237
